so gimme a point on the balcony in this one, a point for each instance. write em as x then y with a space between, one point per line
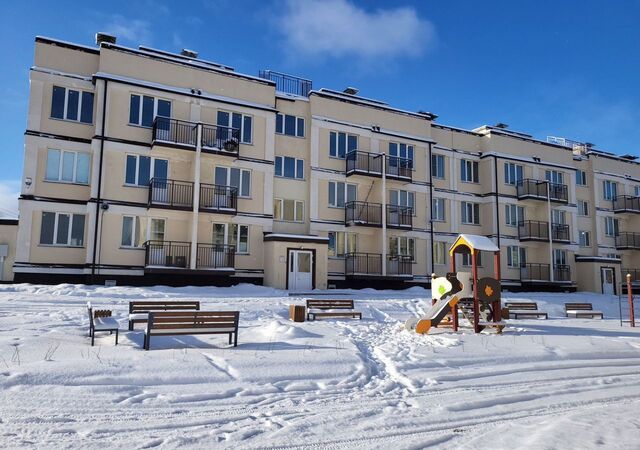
215 256
535 230
370 164
170 194
399 168
537 190
626 204
363 213
399 216
628 241
370 265
287 83
219 199
215 138
533 272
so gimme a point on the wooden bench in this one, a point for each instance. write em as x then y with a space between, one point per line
194 322
581 310
139 310
331 308
519 310
101 320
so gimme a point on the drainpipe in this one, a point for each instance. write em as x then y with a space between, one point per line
196 199
551 268
430 165
384 215
495 174
99 193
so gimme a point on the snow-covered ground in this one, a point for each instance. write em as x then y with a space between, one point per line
344 384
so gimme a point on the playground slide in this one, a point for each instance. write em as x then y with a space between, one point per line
437 312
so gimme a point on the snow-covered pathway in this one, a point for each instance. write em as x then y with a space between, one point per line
559 383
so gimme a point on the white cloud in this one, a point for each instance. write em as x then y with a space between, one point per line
135 31
338 28
9 192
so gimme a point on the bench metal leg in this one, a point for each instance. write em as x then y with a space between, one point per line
131 325
230 334
117 337
93 337
235 339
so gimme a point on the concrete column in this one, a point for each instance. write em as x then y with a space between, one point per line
384 214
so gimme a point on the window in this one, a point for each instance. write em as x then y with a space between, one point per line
69 104
237 178
401 155
514 214
470 213
131 232
581 178
636 191
238 121
469 171
402 246
611 226
289 125
437 166
288 210
288 167
439 253
613 256
341 243
341 143
513 173
516 256
438 210
341 193
610 189
584 238
70 167
143 109
466 259
403 198
554 176
559 257
231 234
583 208
62 229
140 169
156 229
558 217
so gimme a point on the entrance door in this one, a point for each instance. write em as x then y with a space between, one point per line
606 273
300 270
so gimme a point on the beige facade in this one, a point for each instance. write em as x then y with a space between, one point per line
152 167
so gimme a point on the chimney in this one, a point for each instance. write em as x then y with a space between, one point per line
189 53
105 37
351 91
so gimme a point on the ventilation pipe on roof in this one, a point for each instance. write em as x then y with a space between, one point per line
189 53
101 37
351 91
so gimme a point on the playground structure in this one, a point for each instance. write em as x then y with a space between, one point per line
630 302
477 299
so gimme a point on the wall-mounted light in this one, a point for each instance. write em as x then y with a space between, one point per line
28 181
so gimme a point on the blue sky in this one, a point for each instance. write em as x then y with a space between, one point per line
567 68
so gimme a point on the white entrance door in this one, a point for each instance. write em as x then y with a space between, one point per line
607 280
300 270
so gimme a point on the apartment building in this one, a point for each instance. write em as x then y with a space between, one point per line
150 167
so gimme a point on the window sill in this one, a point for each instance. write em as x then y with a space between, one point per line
135 186
124 247
470 182
289 221
60 246
338 158
472 224
137 125
74 183
289 178
289 135
71 121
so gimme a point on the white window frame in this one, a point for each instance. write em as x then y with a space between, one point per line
228 233
514 256
438 213
243 173
410 197
472 169
609 189
66 104
295 170
135 223
152 168
409 149
61 166
439 249
511 173
466 260
611 226
298 205
346 142
335 184
584 238
230 124
554 176
559 257
140 105
437 157
55 229
636 190
347 239
581 175
511 210
297 127
583 208
475 218
407 240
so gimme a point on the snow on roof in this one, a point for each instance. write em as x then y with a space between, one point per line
475 242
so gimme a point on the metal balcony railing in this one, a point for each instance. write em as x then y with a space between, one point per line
399 216
627 240
537 189
167 254
561 273
363 163
560 232
363 264
215 256
540 272
626 203
287 83
401 168
363 213
217 137
399 265
218 198
533 230
174 131
168 193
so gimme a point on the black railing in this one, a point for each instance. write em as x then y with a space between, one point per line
363 264
626 203
540 272
560 232
561 272
533 229
537 189
363 213
167 254
397 167
399 265
218 198
287 83
170 193
627 240
215 256
226 139
635 275
364 162
399 216
175 131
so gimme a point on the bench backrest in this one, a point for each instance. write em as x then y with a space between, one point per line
578 306
329 304
522 305
149 306
175 320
